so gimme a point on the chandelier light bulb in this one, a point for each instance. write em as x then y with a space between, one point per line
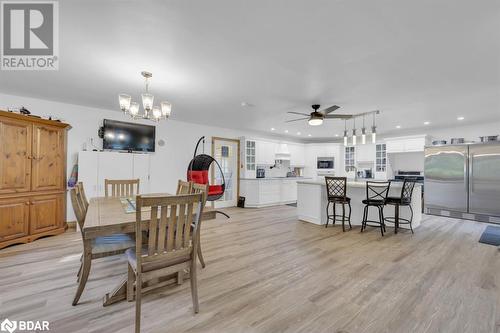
124 101
134 109
166 109
147 101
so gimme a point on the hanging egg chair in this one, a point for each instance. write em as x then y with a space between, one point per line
197 172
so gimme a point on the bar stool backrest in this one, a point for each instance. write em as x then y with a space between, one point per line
336 187
377 190
407 191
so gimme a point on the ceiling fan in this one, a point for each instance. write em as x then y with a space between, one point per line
316 117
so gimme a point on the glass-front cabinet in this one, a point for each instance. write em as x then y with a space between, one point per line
381 158
350 162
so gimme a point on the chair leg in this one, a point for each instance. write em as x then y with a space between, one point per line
334 213
349 219
411 218
327 217
200 255
194 285
381 219
79 272
180 277
343 217
130 283
84 275
138 292
396 218
365 214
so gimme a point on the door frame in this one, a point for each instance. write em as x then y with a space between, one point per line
238 163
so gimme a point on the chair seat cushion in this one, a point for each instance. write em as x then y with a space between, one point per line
215 189
339 199
397 200
373 202
164 260
114 243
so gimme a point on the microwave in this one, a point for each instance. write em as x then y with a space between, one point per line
325 163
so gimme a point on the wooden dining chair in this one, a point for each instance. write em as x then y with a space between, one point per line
202 189
183 187
99 247
121 187
171 247
85 202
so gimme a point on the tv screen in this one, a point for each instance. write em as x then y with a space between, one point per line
119 135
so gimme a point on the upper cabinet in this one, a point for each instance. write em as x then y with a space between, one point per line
297 155
15 155
48 162
415 143
265 152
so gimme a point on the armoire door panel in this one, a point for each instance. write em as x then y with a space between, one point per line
45 213
48 158
14 218
15 155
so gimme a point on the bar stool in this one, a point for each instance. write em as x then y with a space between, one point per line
336 188
376 194
403 200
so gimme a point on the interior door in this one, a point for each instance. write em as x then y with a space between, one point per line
15 155
46 212
484 179
48 158
14 217
226 153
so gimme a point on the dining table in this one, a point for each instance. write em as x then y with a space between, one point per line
107 216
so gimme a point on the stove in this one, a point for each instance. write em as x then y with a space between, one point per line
417 176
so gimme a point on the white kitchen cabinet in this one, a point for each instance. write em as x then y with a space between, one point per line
406 144
297 155
288 190
265 152
268 191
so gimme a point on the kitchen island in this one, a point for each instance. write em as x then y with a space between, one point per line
312 202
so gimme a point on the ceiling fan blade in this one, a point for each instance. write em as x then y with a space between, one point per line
302 114
330 109
339 116
289 121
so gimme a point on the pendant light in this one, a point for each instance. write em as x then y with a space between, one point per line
354 132
363 132
345 133
374 130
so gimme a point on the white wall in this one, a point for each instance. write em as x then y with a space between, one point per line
168 163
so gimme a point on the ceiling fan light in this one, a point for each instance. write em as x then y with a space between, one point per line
315 121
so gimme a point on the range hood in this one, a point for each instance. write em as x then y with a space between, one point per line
282 153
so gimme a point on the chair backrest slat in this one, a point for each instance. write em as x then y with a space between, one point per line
121 187
171 216
407 190
78 206
80 187
183 187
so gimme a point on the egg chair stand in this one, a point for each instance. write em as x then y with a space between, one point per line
198 173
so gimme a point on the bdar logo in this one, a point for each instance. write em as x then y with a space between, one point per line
8 326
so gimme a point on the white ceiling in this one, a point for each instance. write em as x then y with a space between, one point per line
415 61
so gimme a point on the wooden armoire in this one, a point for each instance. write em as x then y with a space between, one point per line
32 178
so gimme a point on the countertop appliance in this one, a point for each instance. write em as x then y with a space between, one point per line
365 173
463 181
325 163
260 173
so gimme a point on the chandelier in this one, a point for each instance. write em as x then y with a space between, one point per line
150 111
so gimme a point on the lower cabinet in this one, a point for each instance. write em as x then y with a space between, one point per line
14 218
23 219
268 191
45 213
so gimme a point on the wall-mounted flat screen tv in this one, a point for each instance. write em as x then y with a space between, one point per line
123 136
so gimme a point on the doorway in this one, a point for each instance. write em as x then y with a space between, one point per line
227 153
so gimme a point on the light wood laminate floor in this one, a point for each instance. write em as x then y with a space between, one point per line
268 272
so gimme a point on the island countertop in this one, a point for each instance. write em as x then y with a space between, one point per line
312 202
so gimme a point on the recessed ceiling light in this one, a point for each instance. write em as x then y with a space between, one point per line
286 131
460 118
427 122
298 133
272 128
309 135
246 104
337 135
398 126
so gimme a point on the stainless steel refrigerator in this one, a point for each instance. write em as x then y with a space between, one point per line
463 181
